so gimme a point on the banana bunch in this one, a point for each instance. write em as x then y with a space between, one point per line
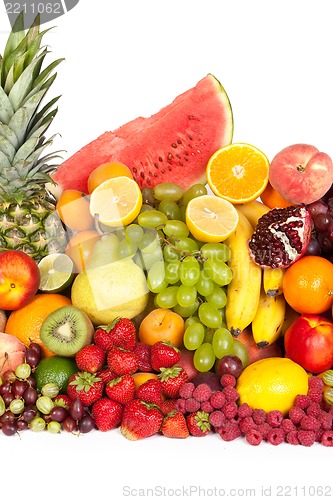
254 296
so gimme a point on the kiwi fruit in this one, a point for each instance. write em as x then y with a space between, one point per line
66 330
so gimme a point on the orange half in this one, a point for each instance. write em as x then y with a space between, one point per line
238 172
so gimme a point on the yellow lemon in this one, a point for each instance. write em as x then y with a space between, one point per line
272 384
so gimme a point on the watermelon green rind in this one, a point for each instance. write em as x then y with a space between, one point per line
174 144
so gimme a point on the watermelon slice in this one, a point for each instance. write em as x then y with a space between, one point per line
172 145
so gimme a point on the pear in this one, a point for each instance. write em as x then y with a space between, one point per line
105 251
105 292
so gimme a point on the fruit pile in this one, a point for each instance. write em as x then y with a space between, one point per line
174 283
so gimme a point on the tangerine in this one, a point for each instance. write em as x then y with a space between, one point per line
107 171
272 199
25 323
308 285
73 210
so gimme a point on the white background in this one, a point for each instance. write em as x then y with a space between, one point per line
130 58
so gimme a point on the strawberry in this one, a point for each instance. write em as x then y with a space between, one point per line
168 406
121 389
174 425
90 358
62 400
140 420
164 355
198 423
120 333
121 361
107 414
85 386
142 351
151 391
172 379
106 375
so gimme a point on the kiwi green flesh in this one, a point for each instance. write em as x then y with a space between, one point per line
66 330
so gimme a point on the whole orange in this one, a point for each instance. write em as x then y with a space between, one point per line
73 210
308 285
162 325
272 199
25 323
107 171
80 247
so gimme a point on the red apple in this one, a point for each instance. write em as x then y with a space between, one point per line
309 342
12 352
186 362
19 279
301 174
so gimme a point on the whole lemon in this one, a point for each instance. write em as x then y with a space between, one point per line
272 384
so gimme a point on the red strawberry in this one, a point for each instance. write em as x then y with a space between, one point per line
174 425
120 333
121 389
151 391
168 406
122 362
140 420
172 379
107 414
106 375
90 358
62 400
142 351
198 423
164 355
85 386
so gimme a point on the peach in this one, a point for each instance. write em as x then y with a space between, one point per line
3 320
301 174
255 352
186 362
12 352
309 342
19 279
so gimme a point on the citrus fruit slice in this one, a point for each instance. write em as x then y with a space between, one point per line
238 172
116 202
56 272
210 218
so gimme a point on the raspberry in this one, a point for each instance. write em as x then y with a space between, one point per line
302 401
230 409
309 423
296 414
244 410
254 437
326 420
259 416
192 405
246 424
229 431
306 438
292 438
230 393
313 410
206 406
228 379
186 390
202 392
276 436
315 394
264 429
318 435
287 425
217 400
327 438
217 418
180 405
315 383
274 418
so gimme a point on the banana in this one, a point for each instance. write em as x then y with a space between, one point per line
289 318
253 211
269 318
273 281
243 291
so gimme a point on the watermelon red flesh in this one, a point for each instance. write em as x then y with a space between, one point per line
172 145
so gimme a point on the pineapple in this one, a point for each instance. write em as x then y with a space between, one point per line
28 219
